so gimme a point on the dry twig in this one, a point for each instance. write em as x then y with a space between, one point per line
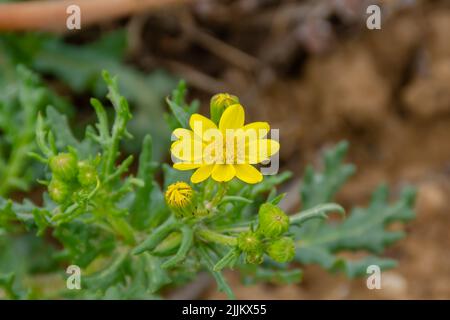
51 15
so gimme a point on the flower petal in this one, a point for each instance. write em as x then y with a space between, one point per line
260 150
223 172
248 173
182 133
260 129
187 150
202 173
200 124
186 166
232 118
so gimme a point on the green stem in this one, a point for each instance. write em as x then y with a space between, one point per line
212 236
221 192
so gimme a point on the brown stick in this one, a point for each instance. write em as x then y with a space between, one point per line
51 15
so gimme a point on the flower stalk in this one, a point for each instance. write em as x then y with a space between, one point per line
208 235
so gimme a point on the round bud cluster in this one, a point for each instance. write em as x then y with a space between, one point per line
269 237
70 178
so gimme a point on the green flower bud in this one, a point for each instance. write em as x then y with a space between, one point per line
59 190
255 257
273 222
64 166
249 242
87 174
169 245
81 195
281 250
219 103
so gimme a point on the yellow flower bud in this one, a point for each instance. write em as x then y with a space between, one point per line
179 197
273 222
281 250
219 103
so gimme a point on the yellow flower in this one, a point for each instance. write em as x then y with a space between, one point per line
225 151
179 195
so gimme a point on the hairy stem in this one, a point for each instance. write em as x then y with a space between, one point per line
212 236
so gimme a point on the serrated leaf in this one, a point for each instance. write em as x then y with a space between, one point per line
59 124
320 187
142 204
364 229
209 264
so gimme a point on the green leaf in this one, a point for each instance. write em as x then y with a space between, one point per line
171 175
228 260
142 206
256 273
11 211
156 236
59 124
207 261
181 111
364 229
187 241
80 67
157 277
235 199
105 278
83 243
321 187
269 182
7 283
19 108
319 211
180 114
